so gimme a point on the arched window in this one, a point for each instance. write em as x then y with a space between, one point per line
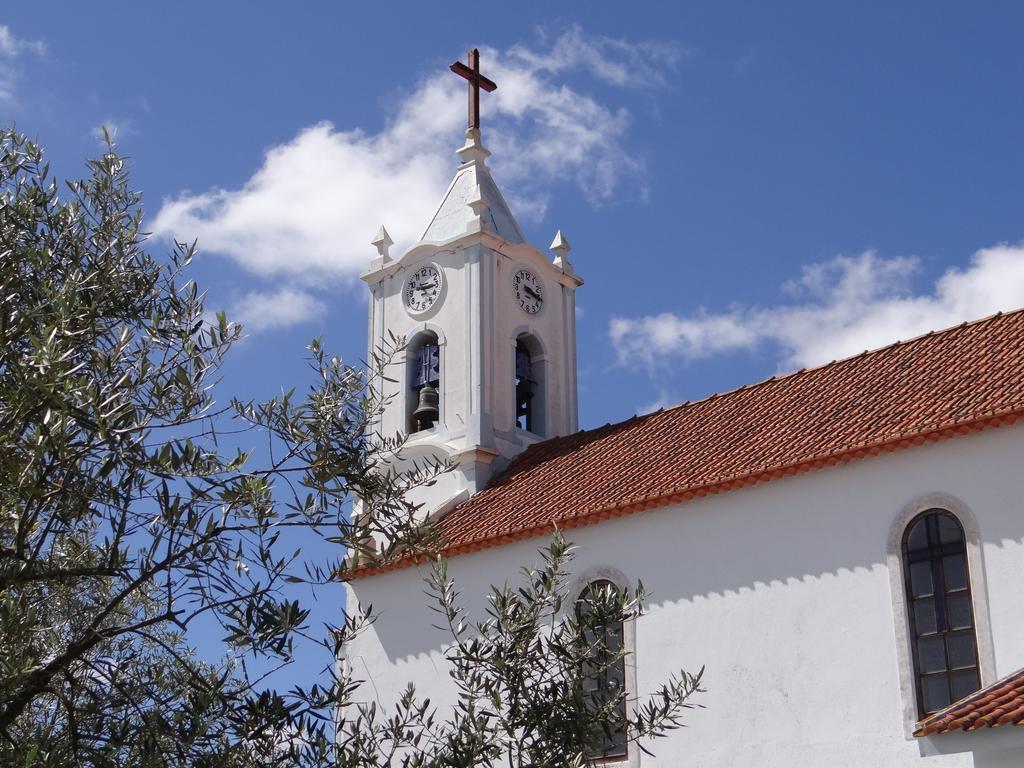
604 670
424 376
941 614
529 385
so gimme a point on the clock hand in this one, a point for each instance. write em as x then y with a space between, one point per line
532 292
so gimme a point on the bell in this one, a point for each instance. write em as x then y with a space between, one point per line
427 412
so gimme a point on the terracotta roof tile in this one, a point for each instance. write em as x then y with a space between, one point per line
1001 703
939 385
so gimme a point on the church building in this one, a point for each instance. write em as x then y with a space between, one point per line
842 548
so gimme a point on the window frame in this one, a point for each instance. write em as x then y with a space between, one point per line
607 673
934 554
901 613
576 589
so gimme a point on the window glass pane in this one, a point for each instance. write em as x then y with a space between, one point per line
958 607
921 578
964 682
935 689
924 615
918 536
617 747
930 654
613 639
954 571
615 682
938 585
604 675
960 649
949 529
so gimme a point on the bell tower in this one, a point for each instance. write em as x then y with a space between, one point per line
489 321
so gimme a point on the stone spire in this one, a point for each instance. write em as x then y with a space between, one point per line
473 202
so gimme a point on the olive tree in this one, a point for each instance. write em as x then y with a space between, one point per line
127 519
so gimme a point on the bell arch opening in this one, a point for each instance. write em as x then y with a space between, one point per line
423 374
530 386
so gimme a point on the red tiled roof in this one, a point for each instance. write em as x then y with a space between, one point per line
1001 703
936 386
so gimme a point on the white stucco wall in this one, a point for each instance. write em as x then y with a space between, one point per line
783 592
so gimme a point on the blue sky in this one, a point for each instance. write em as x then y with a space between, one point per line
748 188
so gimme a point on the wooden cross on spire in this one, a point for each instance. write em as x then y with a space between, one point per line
476 82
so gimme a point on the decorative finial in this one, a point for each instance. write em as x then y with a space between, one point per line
560 247
382 242
473 152
476 82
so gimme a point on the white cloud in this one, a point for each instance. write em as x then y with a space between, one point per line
313 206
259 311
837 308
118 130
617 62
8 80
664 400
315 202
11 48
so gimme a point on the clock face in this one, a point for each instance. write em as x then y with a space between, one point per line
422 288
529 292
